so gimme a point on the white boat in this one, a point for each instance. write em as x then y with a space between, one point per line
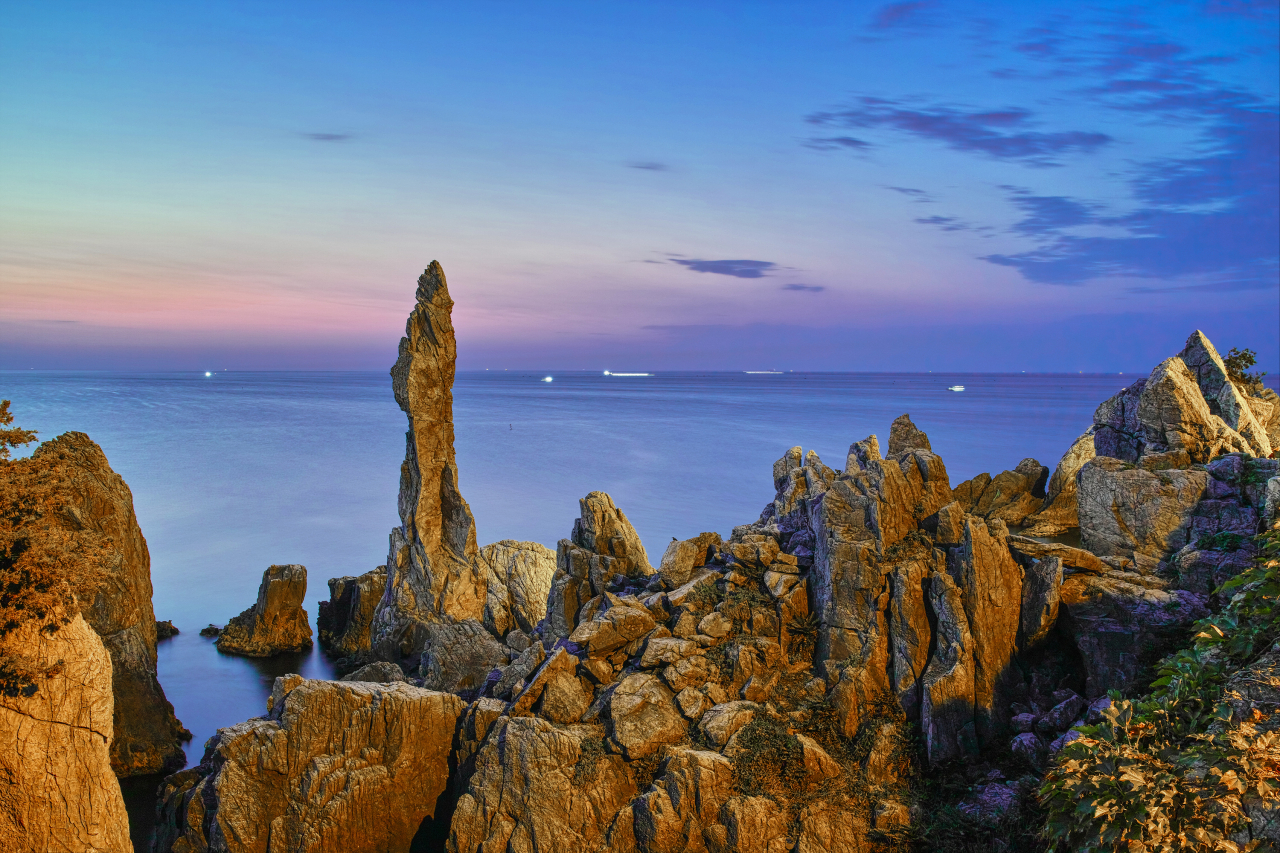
769 372
955 387
609 373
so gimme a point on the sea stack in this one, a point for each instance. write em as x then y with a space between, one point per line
276 623
434 574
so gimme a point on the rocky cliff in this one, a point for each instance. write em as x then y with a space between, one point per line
760 693
57 788
276 623
147 734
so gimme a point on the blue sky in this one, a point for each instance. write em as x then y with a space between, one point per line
855 186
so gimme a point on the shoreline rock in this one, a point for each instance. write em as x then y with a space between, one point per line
276 623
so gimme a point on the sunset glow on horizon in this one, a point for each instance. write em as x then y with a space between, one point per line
910 186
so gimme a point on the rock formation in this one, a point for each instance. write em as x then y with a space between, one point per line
350 766
276 623
57 788
434 573
343 622
147 734
518 581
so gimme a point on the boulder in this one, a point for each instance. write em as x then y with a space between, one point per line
518 581
378 672
1126 510
833 825
165 629
1224 397
681 812
57 788
147 735
1041 586
619 626
603 529
517 674
682 557
724 720
643 717
333 766
459 656
970 491
342 622
276 623
433 566
540 788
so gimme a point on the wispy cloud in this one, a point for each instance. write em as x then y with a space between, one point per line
898 15
328 137
737 269
912 193
806 288
649 166
1004 134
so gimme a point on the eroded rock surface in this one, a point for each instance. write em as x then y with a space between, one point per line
343 622
276 623
57 788
147 734
518 576
348 766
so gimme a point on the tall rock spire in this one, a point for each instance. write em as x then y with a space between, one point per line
433 571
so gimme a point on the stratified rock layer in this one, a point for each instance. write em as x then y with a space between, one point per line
57 788
350 766
147 734
276 623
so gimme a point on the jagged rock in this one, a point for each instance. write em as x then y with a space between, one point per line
1225 399
946 526
643 716
909 630
147 735
1011 496
1059 512
946 710
342 622
1126 510
1116 617
532 790
378 672
210 630
990 584
165 629
818 765
1030 748
433 567
459 656
518 581
904 436
333 766
754 825
682 557
57 788
276 623
555 691
517 674
602 548
968 492
1041 583
664 650
1060 717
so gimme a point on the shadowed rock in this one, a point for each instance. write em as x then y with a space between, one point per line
276 623
343 621
904 436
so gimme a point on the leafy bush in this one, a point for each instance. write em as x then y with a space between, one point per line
1238 363
1169 772
1221 542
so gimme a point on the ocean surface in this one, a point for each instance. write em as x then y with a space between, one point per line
235 471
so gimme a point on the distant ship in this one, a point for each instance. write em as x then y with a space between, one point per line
955 387
771 372
610 373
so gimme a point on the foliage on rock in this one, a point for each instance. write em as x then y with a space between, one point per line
1172 771
41 563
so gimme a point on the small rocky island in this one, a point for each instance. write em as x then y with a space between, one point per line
880 649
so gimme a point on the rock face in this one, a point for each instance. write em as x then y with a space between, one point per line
433 569
57 788
1126 510
147 734
276 623
343 621
1059 513
333 766
518 577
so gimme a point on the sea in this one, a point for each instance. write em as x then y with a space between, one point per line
234 471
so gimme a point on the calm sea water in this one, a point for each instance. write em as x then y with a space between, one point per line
234 472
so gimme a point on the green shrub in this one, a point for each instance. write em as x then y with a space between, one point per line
1169 771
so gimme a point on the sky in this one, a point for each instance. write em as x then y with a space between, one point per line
924 185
